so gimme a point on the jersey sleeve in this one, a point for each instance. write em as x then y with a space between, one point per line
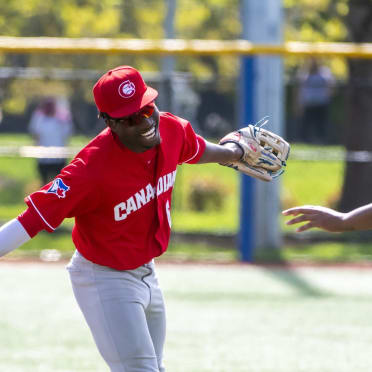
193 145
73 192
31 221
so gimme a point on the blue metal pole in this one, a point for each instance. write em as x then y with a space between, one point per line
247 239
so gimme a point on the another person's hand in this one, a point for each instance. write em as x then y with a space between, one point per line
316 216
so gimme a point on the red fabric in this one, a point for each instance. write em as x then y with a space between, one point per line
122 92
31 221
120 199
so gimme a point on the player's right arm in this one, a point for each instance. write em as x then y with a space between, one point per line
19 230
72 192
329 219
12 236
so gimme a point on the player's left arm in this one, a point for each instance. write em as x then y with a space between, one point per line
252 150
214 153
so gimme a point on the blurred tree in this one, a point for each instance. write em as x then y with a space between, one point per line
312 21
357 180
73 18
306 20
340 20
113 19
321 20
208 19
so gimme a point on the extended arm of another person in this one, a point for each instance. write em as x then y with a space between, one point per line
329 219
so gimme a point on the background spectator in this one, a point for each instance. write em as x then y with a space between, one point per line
51 125
313 101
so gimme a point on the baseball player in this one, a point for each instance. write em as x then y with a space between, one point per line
329 219
118 188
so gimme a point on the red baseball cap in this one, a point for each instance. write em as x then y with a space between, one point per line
122 92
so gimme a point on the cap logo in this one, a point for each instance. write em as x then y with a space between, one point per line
127 89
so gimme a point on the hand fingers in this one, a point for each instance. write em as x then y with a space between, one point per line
301 218
305 227
307 213
289 212
306 209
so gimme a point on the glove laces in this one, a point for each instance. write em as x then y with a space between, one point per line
262 122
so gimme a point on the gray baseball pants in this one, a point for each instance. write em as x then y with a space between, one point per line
124 311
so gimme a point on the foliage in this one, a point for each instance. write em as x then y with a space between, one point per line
316 21
305 20
114 19
206 195
320 20
186 218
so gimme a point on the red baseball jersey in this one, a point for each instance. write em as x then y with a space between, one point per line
120 199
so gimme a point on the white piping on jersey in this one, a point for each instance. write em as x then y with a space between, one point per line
197 151
143 196
45 221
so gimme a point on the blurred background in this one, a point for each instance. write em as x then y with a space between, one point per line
323 110
303 302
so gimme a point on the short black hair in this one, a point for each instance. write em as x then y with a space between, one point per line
103 115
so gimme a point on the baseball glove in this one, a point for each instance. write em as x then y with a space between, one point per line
264 153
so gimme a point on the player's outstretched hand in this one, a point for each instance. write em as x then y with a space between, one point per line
315 216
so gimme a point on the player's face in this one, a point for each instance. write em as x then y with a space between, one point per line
139 132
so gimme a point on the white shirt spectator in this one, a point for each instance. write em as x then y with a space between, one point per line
50 127
316 86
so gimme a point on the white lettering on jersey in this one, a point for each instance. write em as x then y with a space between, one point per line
165 183
140 198
145 195
173 177
119 212
167 208
131 205
159 189
169 180
150 194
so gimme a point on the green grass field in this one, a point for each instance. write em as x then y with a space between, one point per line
304 182
220 319
315 182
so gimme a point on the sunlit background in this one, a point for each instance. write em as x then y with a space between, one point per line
254 317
